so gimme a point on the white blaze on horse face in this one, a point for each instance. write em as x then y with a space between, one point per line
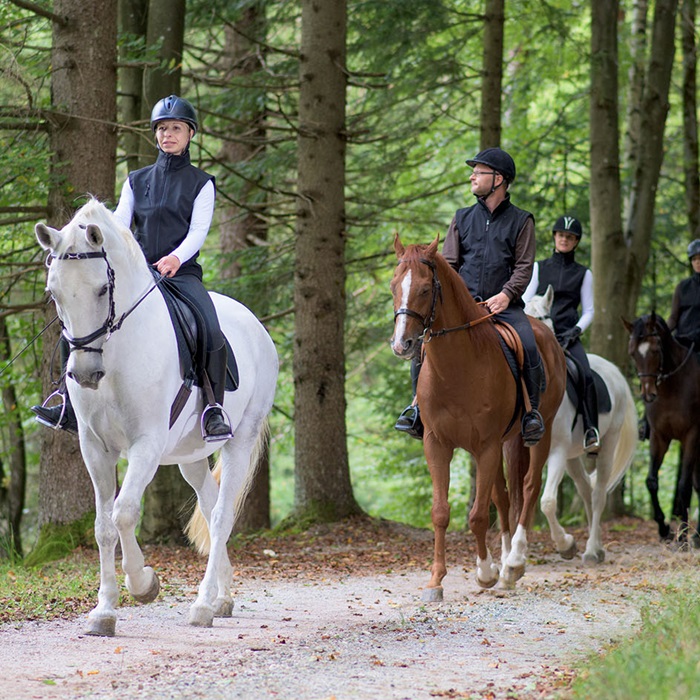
397 343
643 348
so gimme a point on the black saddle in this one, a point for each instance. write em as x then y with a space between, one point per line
574 386
190 333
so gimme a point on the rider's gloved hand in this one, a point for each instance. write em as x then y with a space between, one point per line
568 338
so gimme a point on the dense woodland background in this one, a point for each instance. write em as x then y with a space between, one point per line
330 125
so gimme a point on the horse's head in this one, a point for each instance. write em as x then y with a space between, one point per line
648 336
416 289
81 282
540 307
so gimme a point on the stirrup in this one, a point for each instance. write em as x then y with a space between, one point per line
534 435
57 424
214 438
409 422
591 447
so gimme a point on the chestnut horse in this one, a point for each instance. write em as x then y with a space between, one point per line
468 398
670 386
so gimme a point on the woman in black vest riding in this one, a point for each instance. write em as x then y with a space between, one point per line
684 320
171 205
573 287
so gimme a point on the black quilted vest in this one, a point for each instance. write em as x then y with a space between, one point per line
566 277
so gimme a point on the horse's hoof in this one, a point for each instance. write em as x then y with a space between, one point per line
223 607
101 625
695 541
665 532
569 553
151 594
432 595
511 574
594 559
486 584
201 616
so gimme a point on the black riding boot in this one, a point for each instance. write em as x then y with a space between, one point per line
532 426
215 423
61 416
409 421
591 436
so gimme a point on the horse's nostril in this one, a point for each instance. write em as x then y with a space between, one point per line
97 376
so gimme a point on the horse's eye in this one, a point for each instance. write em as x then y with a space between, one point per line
104 290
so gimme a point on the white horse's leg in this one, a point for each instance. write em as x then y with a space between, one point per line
102 620
563 541
199 476
141 581
515 562
214 595
595 553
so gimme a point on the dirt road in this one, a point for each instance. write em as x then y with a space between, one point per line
341 634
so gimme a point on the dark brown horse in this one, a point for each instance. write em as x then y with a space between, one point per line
670 386
468 397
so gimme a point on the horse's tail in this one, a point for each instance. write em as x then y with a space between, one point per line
197 529
627 441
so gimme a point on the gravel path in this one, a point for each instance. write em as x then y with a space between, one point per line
348 637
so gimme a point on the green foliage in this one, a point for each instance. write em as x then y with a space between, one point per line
661 661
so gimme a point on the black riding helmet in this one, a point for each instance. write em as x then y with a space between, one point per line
496 159
694 248
174 107
568 224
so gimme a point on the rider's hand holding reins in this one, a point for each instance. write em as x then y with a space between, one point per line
497 303
168 265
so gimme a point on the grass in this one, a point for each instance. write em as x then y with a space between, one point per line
61 589
660 662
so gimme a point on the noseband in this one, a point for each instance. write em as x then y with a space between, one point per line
109 326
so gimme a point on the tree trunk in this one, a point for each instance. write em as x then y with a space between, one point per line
133 16
492 77
84 144
242 222
12 482
690 117
168 495
322 475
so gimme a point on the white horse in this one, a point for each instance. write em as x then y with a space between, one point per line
122 377
594 477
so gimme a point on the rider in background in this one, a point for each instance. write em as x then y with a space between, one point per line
491 244
684 320
573 287
171 205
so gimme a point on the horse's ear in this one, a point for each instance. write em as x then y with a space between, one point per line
432 248
48 237
548 297
629 326
398 246
93 235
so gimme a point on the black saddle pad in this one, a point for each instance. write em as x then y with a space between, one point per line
190 332
574 384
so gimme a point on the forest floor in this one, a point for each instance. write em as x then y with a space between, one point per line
336 613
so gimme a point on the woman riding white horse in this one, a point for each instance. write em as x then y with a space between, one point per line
123 375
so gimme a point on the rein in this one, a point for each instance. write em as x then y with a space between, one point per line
109 326
427 321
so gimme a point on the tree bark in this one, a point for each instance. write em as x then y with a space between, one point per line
84 143
12 482
691 166
322 476
242 222
492 77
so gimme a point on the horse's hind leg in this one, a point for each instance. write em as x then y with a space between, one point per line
237 455
206 485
